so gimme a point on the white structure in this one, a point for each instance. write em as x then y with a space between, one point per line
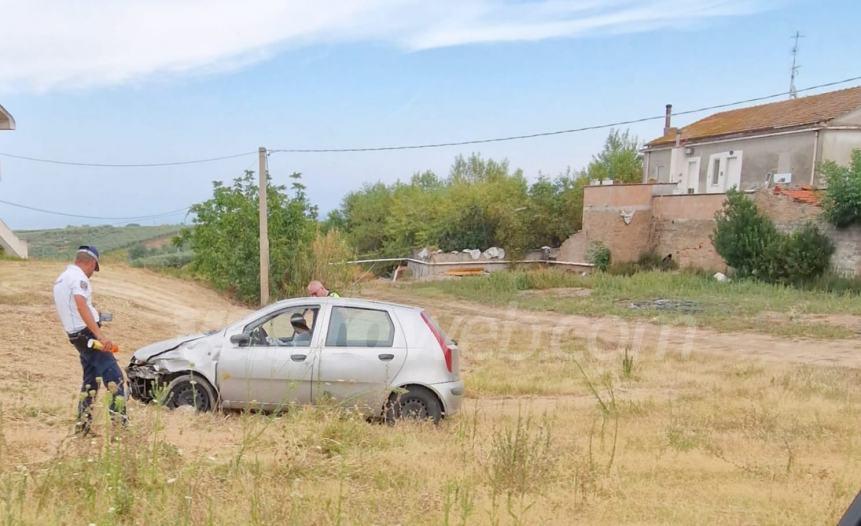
9 242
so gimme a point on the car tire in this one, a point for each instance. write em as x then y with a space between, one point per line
190 390
417 403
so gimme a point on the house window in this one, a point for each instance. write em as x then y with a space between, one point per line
715 171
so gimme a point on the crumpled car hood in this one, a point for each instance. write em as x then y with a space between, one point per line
144 354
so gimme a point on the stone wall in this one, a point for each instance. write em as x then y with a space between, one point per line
847 258
683 225
620 216
634 219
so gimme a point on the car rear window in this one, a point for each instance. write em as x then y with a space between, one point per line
355 327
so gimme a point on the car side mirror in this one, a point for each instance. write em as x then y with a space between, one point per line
240 339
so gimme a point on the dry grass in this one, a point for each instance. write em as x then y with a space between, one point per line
579 435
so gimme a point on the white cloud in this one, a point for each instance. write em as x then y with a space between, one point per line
56 44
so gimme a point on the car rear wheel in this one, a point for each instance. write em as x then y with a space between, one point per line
190 390
417 403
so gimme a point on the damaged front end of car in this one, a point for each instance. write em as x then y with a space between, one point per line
152 367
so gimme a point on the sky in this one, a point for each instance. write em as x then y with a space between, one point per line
128 82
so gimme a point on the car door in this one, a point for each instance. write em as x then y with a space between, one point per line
363 351
275 367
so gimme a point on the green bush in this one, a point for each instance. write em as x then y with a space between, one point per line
743 237
841 205
599 255
165 260
802 255
751 244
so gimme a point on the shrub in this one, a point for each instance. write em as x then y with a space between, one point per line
164 260
841 205
805 254
749 242
599 255
743 237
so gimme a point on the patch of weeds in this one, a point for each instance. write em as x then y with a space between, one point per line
809 381
627 364
521 462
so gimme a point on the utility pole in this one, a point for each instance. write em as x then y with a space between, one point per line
264 227
793 94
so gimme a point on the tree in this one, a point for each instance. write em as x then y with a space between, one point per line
842 202
619 161
225 241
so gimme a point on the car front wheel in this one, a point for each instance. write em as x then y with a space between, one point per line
417 403
190 390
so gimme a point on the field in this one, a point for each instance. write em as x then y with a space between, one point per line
574 416
60 243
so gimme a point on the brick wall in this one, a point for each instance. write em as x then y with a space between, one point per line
682 225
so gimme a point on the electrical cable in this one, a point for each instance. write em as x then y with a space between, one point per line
80 216
556 132
126 165
428 145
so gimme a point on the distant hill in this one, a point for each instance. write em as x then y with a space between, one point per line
60 243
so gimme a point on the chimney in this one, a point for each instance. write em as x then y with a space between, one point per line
667 116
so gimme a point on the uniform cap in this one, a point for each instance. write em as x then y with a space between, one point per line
90 251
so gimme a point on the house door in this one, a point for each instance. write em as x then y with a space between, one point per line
724 171
733 170
690 183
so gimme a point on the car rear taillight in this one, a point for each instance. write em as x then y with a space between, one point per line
446 350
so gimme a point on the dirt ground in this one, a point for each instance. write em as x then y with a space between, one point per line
36 359
740 427
470 321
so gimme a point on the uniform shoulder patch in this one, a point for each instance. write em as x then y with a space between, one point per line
84 285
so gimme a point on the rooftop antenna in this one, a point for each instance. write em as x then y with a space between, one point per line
793 93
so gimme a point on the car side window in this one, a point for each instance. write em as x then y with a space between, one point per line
356 327
293 327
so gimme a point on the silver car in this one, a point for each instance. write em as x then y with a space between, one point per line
385 360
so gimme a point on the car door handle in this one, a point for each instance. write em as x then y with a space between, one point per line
298 357
386 357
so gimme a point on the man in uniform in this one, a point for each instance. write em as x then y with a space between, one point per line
317 290
73 297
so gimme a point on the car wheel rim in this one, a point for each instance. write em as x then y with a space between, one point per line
414 408
191 395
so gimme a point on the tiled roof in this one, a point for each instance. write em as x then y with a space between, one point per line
802 194
770 117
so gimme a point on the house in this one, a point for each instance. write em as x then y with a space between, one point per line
9 242
749 148
771 151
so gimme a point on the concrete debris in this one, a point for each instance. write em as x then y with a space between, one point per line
473 253
686 306
494 253
423 255
721 277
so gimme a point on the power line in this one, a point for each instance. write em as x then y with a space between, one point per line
556 132
79 216
429 145
127 165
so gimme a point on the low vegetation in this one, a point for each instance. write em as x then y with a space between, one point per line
743 304
60 243
666 439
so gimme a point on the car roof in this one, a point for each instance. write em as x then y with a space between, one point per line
348 302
